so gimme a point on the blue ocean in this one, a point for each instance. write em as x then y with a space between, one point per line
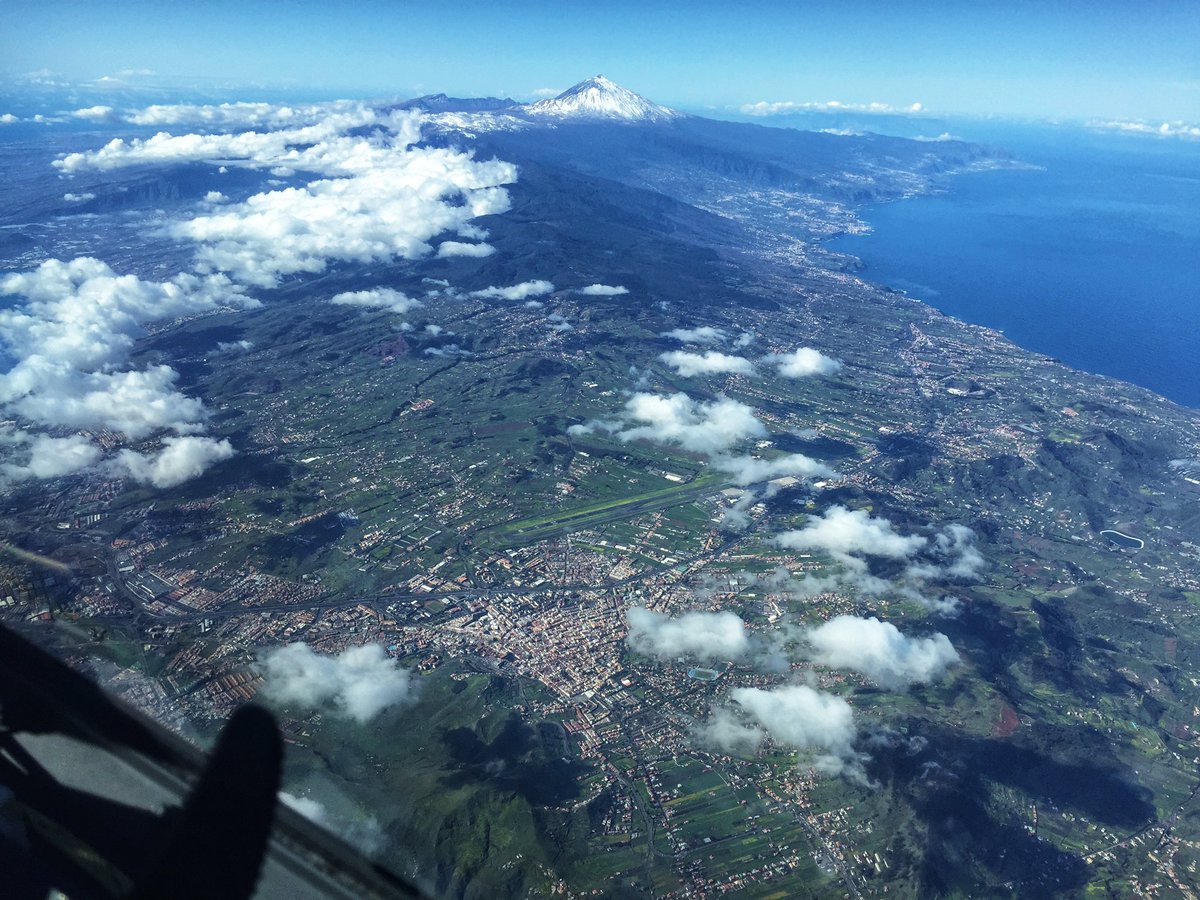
1090 255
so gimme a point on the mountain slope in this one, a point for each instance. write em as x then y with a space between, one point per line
599 98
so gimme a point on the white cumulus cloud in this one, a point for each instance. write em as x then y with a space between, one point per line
746 470
955 545
679 420
704 334
94 113
800 716
358 683
849 537
380 197
845 532
72 334
363 833
603 290
522 291
77 326
803 363
180 459
46 457
793 716
248 114
702 635
83 313
725 731
384 213
377 298
881 652
709 363
136 403
447 249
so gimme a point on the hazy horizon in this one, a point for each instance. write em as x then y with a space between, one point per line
1069 61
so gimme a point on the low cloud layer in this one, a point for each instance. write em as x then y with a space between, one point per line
377 298
705 334
1175 129
71 332
267 148
699 635
803 363
522 291
879 651
358 683
603 290
746 470
789 107
363 190
449 249
709 363
378 197
180 459
362 833
83 314
851 537
41 456
793 716
370 217
845 532
246 114
678 420
955 549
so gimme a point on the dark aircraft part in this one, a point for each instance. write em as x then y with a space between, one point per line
198 827
227 817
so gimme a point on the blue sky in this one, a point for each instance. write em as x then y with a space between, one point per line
1064 59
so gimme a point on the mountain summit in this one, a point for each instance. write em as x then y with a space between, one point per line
599 98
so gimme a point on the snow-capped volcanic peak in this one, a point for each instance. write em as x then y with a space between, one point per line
599 98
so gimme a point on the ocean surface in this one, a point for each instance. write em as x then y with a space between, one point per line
1093 257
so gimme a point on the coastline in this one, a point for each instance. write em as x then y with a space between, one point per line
1111 297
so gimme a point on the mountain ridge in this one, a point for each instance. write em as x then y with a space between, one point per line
599 98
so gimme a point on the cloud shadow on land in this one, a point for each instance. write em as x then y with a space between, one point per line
283 554
254 470
963 840
993 639
904 455
820 447
511 756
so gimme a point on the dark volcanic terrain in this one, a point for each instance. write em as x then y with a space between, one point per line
458 489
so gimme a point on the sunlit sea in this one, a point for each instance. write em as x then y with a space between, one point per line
1092 257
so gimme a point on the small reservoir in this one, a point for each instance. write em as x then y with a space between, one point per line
1123 540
